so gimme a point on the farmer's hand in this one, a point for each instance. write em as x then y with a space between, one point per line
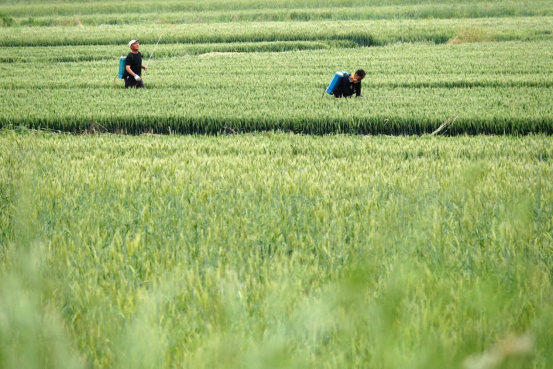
144 67
137 78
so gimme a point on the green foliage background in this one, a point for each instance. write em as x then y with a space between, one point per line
274 250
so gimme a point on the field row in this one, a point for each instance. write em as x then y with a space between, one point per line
178 13
507 58
71 8
363 33
86 53
193 109
310 251
503 61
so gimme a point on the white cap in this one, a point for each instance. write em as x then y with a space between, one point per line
132 42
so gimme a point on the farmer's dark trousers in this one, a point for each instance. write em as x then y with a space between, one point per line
130 82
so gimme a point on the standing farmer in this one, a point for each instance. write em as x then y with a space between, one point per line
133 67
350 84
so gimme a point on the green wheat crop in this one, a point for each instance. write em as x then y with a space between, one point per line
275 250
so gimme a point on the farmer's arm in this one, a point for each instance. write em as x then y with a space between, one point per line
128 68
358 89
144 67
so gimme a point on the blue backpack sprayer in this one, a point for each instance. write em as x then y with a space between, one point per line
121 70
122 63
334 82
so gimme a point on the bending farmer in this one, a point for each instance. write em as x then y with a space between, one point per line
350 84
133 67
